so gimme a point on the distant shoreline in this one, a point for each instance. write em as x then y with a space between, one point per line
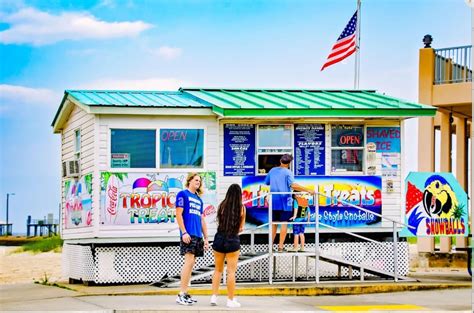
17 240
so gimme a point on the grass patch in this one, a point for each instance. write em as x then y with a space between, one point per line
54 243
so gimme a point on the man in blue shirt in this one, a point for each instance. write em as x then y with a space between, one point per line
281 179
192 228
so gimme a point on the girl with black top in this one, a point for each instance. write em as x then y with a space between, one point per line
226 245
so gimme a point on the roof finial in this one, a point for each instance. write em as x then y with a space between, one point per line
427 40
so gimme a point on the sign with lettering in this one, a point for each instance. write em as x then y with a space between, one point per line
309 149
120 160
386 139
150 198
337 194
436 205
239 149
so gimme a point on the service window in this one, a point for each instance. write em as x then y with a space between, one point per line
181 148
347 148
133 148
272 142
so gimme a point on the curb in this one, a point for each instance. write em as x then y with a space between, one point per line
352 289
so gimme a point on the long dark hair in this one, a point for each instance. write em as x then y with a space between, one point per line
229 211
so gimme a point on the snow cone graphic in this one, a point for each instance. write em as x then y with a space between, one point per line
141 185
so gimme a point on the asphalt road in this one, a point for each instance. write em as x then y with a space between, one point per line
29 297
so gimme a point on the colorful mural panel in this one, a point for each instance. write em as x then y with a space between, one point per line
335 194
78 202
436 205
149 198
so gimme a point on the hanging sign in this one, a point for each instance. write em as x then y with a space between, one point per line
309 149
239 149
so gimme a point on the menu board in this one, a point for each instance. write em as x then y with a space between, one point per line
309 149
239 149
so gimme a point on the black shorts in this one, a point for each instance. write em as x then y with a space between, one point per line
196 246
281 216
226 243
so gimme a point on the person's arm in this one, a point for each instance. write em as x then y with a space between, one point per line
204 232
242 218
267 179
298 187
179 219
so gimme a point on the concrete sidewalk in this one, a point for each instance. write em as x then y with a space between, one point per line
446 279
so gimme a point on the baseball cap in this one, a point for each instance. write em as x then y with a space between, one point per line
286 158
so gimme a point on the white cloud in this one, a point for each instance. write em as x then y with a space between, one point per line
24 95
168 84
31 26
168 53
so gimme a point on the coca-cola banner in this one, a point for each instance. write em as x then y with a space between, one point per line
149 198
78 202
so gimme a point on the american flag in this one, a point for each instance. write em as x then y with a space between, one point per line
345 44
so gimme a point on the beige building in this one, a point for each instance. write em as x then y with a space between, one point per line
444 141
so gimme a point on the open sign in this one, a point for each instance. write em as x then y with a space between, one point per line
351 139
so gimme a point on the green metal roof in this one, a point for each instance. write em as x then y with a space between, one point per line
162 99
137 99
306 103
256 102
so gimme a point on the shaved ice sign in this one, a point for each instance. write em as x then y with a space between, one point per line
435 205
150 198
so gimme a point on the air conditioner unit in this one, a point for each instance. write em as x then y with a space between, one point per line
71 168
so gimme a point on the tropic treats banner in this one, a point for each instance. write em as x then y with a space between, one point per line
363 191
436 205
149 198
78 202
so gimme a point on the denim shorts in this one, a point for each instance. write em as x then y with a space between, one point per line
224 243
299 228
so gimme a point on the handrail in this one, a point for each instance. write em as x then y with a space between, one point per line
349 204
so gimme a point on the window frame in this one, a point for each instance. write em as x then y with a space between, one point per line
77 144
362 148
183 169
127 169
157 152
282 149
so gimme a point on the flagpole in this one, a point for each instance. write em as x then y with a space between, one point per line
357 59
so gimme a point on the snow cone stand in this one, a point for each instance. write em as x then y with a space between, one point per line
125 155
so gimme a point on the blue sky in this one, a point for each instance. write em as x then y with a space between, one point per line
49 46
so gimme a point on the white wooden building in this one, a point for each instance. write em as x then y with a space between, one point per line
125 154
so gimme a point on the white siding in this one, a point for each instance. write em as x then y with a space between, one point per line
78 120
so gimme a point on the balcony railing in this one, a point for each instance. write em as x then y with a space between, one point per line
453 65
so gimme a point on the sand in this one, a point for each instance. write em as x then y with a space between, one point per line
27 267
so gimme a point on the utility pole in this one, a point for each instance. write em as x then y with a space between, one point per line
8 196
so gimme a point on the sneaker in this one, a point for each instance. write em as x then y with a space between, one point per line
183 300
213 300
233 303
279 250
292 250
302 250
188 296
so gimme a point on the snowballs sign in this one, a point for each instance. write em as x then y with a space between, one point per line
336 195
436 205
137 198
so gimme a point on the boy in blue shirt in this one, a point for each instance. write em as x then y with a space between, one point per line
300 214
